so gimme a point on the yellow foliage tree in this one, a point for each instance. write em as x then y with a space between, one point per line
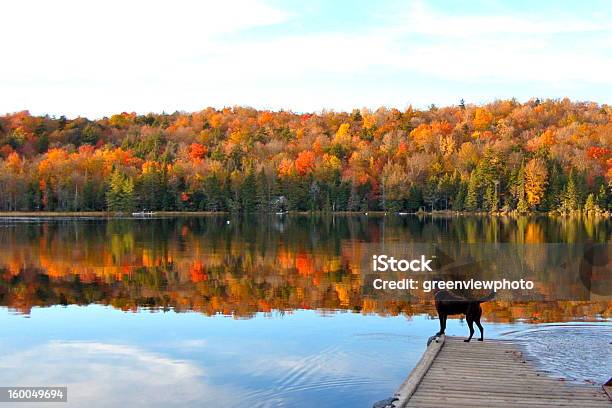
482 119
369 121
343 136
421 135
536 179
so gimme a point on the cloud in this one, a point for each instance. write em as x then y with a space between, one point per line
98 58
512 47
102 374
421 19
75 39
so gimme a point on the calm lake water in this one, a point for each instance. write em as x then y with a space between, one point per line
261 312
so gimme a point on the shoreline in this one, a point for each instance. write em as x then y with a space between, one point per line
105 214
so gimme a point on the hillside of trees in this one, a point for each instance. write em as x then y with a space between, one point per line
552 155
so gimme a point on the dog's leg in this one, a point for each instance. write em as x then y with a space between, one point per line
442 318
470 323
477 316
481 329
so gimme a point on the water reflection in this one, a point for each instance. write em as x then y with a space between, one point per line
302 335
110 358
258 265
105 373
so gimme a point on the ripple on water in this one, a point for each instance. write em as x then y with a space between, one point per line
577 352
314 373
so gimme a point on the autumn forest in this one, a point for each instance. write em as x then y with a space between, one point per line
551 155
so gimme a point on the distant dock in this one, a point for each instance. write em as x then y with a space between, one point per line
452 373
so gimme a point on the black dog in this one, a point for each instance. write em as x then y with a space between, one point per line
448 303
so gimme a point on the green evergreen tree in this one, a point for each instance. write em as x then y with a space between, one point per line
149 190
90 198
522 206
554 190
590 206
113 196
353 201
127 202
459 201
430 193
263 192
490 199
448 186
214 193
415 199
90 134
570 200
120 196
471 197
249 192
314 191
43 143
603 198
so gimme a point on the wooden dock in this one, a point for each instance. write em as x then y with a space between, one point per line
493 373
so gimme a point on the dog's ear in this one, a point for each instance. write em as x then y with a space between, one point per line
441 259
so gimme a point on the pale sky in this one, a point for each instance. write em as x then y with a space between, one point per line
98 57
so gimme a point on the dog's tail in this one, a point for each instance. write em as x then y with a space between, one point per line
490 296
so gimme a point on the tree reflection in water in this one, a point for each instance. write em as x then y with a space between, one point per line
258 264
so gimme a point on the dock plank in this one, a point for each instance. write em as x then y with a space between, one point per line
490 373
